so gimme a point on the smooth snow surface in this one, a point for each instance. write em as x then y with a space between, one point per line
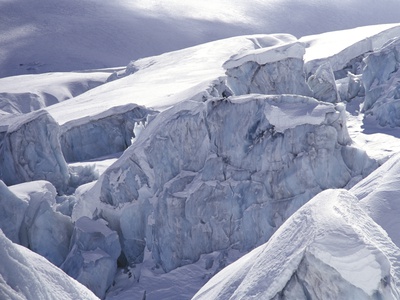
329 249
38 36
27 275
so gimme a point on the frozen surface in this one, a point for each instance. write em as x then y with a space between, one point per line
26 93
27 275
93 255
31 151
329 249
340 47
379 196
256 159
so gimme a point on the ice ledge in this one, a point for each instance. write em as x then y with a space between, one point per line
275 48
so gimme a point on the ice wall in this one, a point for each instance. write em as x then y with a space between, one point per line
381 77
329 249
93 255
277 69
30 150
102 135
224 173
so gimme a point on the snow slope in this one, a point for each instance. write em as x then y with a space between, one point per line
329 249
27 275
37 36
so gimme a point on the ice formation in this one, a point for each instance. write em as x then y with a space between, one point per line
329 249
275 68
381 77
93 255
30 150
256 159
27 275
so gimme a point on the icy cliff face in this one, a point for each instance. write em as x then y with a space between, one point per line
30 150
381 77
27 275
95 137
224 173
276 68
329 249
92 259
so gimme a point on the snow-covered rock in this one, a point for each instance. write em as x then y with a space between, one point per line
30 150
93 255
224 173
27 275
274 68
108 133
43 230
381 79
329 249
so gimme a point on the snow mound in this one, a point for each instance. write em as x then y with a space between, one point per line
206 176
329 249
379 196
27 275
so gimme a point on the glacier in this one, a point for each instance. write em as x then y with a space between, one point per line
255 168
329 249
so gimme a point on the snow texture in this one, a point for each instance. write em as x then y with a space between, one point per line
27 275
93 255
329 249
30 150
229 173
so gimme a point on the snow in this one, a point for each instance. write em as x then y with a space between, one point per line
330 235
27 275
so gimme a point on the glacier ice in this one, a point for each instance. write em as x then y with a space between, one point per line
30 150
102 135
223 173
43 230
323 85
276 68
381 82
93 255
26 275
329 249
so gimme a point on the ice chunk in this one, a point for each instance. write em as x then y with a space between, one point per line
27 275
381 78
12 211
92 259
31 151
43 230
102 135
224 173
276 68
329 249
323 85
